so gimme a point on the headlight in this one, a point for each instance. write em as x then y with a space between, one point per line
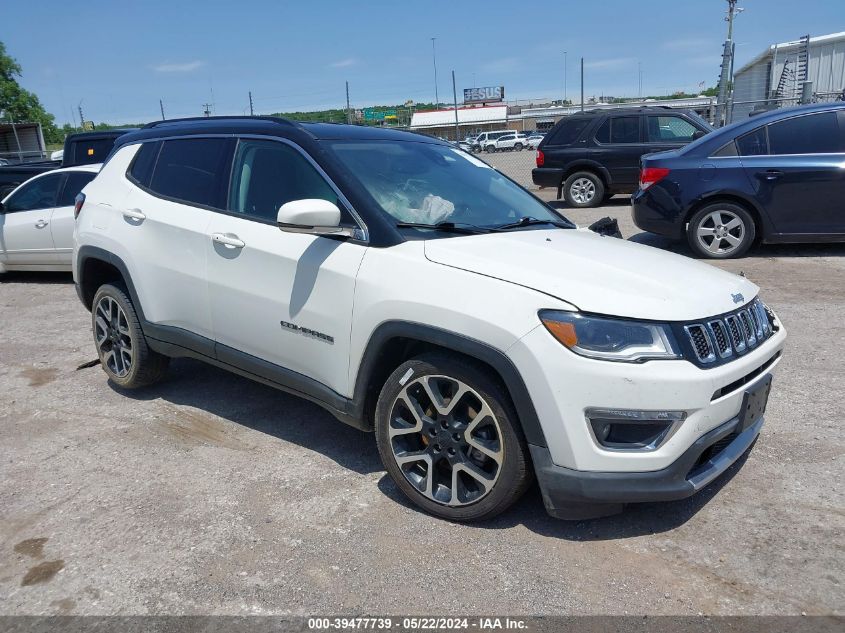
611 339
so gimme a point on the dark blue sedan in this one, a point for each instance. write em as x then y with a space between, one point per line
774 178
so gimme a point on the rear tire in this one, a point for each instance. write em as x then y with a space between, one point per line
450 439
124 354
583 189
518 147
721 230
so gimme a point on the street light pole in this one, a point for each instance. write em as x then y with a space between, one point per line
564 77
434 59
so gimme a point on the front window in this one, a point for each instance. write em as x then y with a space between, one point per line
669 129
429 184
39 193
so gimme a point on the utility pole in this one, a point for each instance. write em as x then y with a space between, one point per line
348 111
161 106
582 84
564 77
251 112
725 77
455 99
434 58
206 109
81 118
640 80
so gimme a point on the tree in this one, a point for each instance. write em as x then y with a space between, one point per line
19 105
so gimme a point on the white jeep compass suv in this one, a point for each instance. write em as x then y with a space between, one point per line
414 291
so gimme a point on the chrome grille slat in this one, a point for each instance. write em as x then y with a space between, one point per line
730 335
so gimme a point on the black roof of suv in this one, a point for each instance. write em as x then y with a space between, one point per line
591 155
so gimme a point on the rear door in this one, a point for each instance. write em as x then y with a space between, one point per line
180 184
25 238
800 179
618 145
61 219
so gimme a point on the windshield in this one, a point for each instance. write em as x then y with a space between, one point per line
425 183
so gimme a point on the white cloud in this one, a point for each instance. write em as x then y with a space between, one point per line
344 63
185 67
610 64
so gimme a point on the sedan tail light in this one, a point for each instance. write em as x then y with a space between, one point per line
77 204
651 175
541 158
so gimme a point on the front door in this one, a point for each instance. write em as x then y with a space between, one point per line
801 180
280 302
25 238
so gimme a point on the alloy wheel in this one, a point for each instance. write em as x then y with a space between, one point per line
111 333
446 440
582 190
720 232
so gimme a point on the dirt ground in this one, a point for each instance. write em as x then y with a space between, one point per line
210 494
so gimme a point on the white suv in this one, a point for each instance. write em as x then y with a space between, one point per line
515 141
414 291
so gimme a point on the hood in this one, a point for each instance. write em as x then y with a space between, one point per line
603 275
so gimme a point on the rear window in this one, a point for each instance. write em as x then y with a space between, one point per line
567 131
74 183
89 151
754 143
193 170
141 169
619 130
809 134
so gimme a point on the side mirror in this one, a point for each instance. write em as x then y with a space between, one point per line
698 134
312 216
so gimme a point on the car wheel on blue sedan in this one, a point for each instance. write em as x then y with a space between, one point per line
721 230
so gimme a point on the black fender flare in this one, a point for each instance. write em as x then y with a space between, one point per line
465 345
587 165
84 253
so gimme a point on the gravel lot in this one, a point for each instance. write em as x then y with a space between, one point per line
210 494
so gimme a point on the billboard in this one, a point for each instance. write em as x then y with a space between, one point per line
484 95
379 114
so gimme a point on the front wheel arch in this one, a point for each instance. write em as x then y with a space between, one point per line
394 342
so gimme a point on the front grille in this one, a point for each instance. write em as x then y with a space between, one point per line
730 335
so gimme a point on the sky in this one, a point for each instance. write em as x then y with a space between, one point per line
120 58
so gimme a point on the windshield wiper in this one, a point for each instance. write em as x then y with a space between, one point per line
469 229
529 221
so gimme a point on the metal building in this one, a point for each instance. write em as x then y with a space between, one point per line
776 77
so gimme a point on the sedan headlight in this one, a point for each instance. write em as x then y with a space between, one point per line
611 339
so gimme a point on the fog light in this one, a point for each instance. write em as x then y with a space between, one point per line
629 429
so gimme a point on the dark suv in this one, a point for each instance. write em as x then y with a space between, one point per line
592 155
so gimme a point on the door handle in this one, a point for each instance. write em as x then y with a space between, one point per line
41 224
228 240
134 214
770 174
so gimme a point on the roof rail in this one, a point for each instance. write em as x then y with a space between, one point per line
196 119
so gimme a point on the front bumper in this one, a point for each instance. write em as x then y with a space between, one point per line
572 494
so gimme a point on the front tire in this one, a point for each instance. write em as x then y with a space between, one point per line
721 230
450 440
583 189
124 354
